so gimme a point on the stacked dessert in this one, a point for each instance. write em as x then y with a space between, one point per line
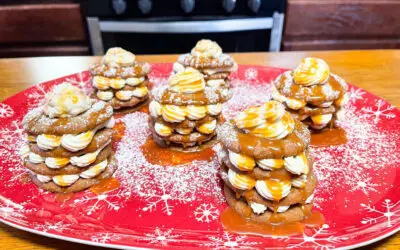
266 165
120 80
69 146
185 113
207 57
311 93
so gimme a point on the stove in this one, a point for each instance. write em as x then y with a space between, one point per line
174 26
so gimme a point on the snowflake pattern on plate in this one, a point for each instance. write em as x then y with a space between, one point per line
6 111
169 207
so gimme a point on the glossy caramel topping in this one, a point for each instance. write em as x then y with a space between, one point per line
311 71
63 197
328 137
105 186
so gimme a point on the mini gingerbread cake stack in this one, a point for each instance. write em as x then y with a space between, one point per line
311 93
69 141
266 165
185 113
207 57
120 80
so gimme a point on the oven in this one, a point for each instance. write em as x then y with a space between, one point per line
174 26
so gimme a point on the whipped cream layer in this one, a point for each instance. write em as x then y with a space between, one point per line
105 83
66 101
118 57
206 48
68 180
70 142
174 113
205 128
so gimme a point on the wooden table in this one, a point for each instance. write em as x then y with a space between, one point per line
376 71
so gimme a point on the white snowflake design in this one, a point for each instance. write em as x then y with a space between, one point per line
355 94
379 109
13 134
230 241
154 197
161 237
6 110
59 226
387 213
104 200
36 96
251 74
363 183
104 237
206 213
313 238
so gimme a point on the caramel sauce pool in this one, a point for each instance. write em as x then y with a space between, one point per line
155 154
328 137
235 223
62 197
105 185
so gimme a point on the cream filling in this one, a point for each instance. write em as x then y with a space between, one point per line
240 181
216 83
24 151
208 127
65 180
184 131
155 109
163 130
174 113
297 164
290 102
299 182
270 192
104 83
270 164
242 162
321 119
95 170
105 95
69 141
258 208
125 95
87 159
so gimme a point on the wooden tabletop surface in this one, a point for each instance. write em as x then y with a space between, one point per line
377 71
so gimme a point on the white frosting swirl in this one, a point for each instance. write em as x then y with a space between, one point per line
172 113
208 127
95 170
65 101
184 131
214 109
155 109
43 178
56 163
257 208
24 151
321 119
310 198
163 130
87 159
35 158
118 57
65 180
77 142
240 181
177 67
290 102
280 209
134 81
105 95
270 164
206 48
273 189
297 164
195 112
216 83
47 142
242 162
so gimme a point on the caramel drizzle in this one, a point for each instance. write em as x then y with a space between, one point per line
315 93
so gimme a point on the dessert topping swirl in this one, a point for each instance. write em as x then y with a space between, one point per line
66 101
188 81
206 48
311 71
269 121
116 57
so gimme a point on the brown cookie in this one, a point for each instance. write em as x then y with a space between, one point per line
293 214
81 183
187 123
222 61
126 87
295 196
259 173
36 122
138 70
131 103
42 169
210 95
307 110
262 148
216 76
184 147
316 94
99 139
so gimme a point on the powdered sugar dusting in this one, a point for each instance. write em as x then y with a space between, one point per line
181 184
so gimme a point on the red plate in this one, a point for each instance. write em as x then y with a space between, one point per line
171 207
